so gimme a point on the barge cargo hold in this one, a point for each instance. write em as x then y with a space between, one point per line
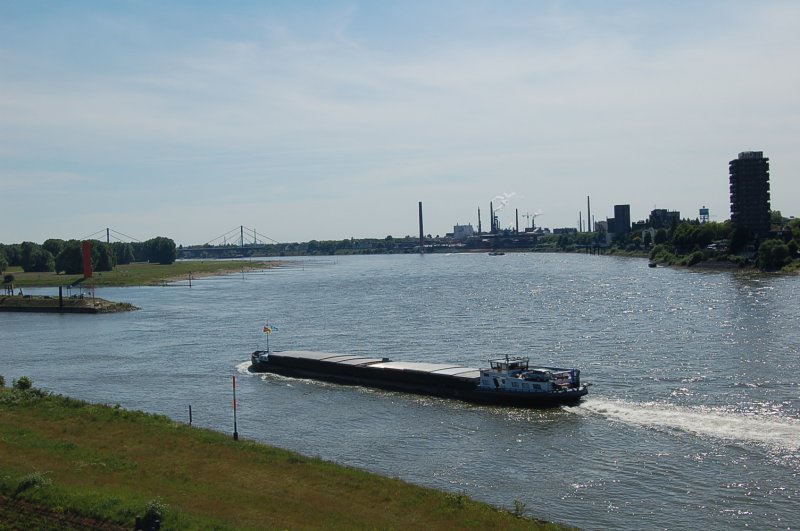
507 381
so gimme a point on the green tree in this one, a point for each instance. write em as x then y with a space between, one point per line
684 236
26 249
772 255
792 246
794 226
3 263
103 258
70 259
661 237
12 253
161 250
123 252
53 246
35 259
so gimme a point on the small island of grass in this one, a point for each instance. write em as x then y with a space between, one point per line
135 274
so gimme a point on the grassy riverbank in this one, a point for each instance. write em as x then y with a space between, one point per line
141 274
68 464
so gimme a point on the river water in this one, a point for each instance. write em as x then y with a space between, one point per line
692 422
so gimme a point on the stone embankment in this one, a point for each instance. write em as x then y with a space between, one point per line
44 304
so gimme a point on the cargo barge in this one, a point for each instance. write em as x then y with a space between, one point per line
507 381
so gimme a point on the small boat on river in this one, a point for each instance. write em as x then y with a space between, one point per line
507 381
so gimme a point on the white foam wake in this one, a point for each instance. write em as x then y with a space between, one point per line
243 368
774 432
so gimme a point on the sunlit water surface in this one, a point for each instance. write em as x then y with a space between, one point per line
693 421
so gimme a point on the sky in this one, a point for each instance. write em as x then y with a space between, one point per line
331 120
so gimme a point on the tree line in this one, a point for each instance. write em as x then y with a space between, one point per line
66 256
689 242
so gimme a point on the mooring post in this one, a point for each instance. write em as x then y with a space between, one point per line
190 414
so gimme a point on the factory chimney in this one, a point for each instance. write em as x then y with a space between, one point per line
479 221
588 214
516 213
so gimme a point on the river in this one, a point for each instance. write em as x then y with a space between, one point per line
692 421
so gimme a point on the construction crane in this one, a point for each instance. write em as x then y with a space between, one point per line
532 218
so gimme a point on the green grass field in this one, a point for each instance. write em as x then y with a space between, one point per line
103 465
140 273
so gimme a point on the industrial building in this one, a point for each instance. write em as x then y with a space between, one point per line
622 219
661 218
463 232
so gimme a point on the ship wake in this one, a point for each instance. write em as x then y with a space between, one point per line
774 432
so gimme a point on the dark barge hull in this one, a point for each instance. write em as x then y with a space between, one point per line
435 379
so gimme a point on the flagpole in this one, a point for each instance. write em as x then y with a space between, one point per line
235 431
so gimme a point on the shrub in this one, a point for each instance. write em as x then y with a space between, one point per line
519 508
773 254
793 247
155 510
23 383
2 381
663 254
34 480
694 258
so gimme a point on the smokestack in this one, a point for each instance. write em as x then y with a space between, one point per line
421 232
516 213
491 216
580 222
589 213
479 221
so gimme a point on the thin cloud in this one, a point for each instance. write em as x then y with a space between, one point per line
554 104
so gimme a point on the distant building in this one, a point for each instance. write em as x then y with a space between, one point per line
749 180
601 226
622 219
565 230
661 218
462 232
